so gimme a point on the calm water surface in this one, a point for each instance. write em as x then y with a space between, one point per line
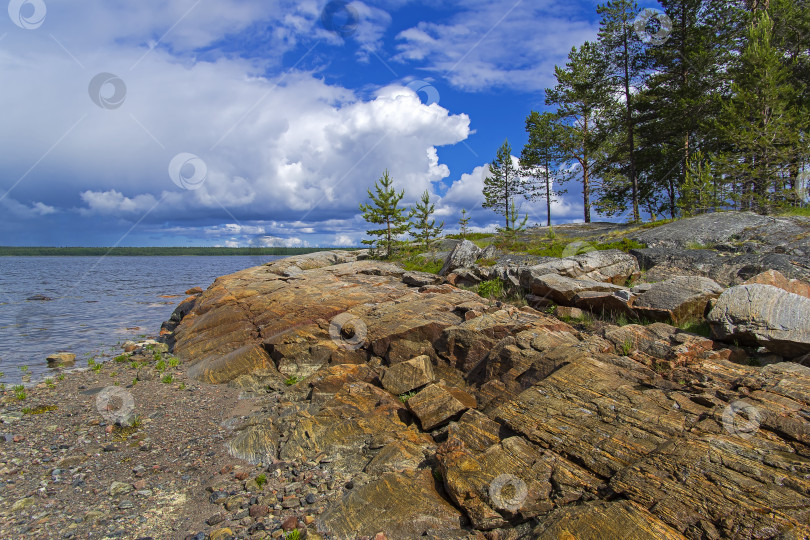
97 303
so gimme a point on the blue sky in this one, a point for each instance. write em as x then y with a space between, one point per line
262 123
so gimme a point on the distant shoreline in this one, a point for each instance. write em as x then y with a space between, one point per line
6 251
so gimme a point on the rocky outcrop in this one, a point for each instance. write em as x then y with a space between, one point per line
725 267
259 319
765 315
723 227
446 415
677 299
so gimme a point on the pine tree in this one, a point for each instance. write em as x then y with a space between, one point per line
791 35
578 95
541 158
464 222
425 228
698 192
679 95
626 62
504 184
386 211
758 122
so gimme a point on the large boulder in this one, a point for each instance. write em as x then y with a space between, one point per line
677 299
463 255
563 289
765 315
611 266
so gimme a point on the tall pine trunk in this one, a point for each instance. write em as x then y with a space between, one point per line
586 188
631 143
548 196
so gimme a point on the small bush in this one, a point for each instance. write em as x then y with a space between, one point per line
491 289
261 480
406 396
292 380
121 358
167 379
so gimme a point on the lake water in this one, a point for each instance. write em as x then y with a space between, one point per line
97 303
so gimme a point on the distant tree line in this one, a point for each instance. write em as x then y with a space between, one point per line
703 109
150 251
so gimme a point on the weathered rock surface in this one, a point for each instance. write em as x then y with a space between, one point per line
726 268
420 279
409 375
62 359
563 289
463 255
522 425
766 315
438 404
772 277
603 520
677 299
617 302
402 505
612 266
722 227
258 319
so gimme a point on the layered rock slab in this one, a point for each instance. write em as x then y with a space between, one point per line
612 266
677 299
591 410
259 319
765 315
401 505
604 520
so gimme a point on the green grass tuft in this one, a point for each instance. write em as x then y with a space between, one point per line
491 289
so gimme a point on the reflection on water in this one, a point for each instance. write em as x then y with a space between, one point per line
96 303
